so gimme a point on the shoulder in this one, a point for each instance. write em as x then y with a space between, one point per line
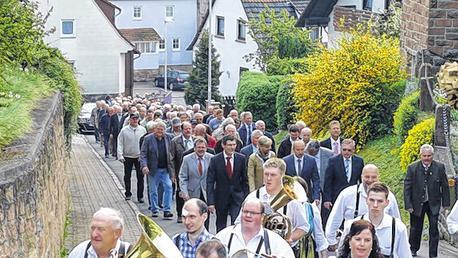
238 155
400 226
357 158
79 250
224 234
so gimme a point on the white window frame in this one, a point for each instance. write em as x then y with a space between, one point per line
218 34
141 46
159 45
173 11
62 35
173 44
240 21
141 12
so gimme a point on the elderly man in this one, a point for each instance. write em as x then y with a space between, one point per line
250 234
94 120
229 130
105 129
209 116
351 203
217 120
246 128
129 152
195 213
198 118
156 162
175 127
116 121
286 145
211 249
107 227
256 161
426 190
274 170
306 135
261 126
334 141
201 130
253 146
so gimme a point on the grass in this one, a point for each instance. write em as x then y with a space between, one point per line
68 222
19 93
279 137
384 153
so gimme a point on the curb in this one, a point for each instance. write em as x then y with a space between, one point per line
118 184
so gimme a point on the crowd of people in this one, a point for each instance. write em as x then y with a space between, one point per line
209 163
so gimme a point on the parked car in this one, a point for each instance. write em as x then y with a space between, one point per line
85 125
175 80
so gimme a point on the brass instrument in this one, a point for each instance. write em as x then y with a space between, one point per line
153 242
245 253
277 222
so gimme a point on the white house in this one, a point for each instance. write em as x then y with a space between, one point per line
85 33
231 38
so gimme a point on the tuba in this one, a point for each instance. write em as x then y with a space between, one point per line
153 242
275 221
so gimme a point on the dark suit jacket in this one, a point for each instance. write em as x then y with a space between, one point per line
285 148
116 125
219 146
309 173
209 150
247 151
177 148
221 190
327 143
105 124
335 178
437 187
272 138
243 133
149 154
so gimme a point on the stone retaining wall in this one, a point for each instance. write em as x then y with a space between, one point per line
34 195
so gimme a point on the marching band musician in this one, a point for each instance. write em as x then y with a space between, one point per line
452 220
249 235
274 170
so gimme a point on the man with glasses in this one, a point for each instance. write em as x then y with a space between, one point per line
250 235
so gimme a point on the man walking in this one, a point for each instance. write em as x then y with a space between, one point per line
425 192
129 152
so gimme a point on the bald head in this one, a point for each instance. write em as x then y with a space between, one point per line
299 148
369 175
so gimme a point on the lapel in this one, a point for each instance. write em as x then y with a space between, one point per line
195 164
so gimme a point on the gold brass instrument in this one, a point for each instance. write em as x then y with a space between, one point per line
277 222
153 242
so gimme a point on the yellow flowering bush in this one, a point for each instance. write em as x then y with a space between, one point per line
420 134
356 83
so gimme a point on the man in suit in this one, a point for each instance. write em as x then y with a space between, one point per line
227 183
334 141
193 173
321 156
253 146
229 130
180 144
156 162
105 129
426 190
285 147
343 170
246 128
115 127
261 126
300 164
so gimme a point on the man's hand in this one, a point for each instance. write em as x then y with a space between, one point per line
327 205
410 210
332 248
317 202
145 171
289 240
184 196
211 208
174 180
324 254
121 160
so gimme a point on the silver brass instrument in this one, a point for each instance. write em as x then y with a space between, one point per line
245 253
153 242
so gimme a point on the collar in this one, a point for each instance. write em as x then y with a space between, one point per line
343 158
184 138
202 237
225 156
332 141
264 195
113 252
386 221
238 232
296 158
361 190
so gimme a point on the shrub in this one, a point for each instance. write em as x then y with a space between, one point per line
257 93
405 116
355 84
285 107
420 134
284 66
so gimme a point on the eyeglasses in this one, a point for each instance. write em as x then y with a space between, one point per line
251 213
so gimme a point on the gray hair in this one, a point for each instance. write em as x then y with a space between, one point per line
426 148
259 122
159 123
111 215
313 145
257 133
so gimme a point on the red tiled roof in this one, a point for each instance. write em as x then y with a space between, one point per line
140 34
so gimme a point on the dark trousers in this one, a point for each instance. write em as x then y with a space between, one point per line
179 201
231 209
128 164
114 147
106 143
416 228
96 134
207 222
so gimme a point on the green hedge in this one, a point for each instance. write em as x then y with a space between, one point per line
405 116
257 92
420 134
285 106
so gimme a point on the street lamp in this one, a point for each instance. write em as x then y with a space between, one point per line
209 86
167 20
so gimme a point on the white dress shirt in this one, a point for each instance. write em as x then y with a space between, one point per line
79 250
318 232
231 160
278 246
189 144
452 220
344 209
383 232
339 150
348 175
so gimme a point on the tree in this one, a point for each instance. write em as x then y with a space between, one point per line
196 91
279 41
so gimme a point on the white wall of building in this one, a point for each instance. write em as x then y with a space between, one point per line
97 49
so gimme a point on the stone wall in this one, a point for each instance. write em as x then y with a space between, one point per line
34 195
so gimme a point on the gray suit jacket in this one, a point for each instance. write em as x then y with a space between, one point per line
325 155
190 181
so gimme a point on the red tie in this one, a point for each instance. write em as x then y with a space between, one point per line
229 167
199 167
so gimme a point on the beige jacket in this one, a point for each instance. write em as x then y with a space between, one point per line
255 171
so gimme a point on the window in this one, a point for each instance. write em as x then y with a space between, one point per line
176 44
68 28
367 5
146 46
137 12
161 45
241 30
169 11
220 26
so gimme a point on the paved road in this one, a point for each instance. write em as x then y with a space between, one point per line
145 87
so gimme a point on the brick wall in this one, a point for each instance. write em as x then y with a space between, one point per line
346 17
33 187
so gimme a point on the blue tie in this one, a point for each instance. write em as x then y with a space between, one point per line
347 169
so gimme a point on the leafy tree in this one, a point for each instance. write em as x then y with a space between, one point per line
196 91
277 37
389 22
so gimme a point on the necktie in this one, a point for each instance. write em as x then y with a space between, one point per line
299 167
199 167
186 142
229 167
248 134
347 169
335 148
